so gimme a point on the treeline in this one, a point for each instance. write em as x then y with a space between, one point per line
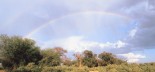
19 54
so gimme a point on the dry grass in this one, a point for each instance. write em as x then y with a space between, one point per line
93 71
2 71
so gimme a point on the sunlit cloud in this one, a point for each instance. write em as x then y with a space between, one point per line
132 57
79 44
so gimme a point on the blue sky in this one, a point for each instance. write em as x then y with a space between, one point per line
123 27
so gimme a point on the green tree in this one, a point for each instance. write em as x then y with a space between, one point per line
16 51
89 59
53 57
50 58
61 53
108 58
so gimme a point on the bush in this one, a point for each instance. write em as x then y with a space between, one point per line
65 69
52 69
22 69
31 67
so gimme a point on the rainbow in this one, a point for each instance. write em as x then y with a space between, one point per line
77 13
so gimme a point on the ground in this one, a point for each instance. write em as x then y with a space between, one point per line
1 70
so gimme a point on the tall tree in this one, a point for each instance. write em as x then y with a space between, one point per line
16 51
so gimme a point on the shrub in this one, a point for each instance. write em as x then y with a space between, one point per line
65 69
31 67
52 69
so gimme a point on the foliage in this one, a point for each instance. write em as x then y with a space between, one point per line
78 61
50 58
16 51
60 51
31 67
19 54
108 58
65 69
89 59
109 68
68 62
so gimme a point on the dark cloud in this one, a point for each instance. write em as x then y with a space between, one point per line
145 31
145 35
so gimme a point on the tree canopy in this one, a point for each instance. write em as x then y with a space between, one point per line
106 58
22 54
16 51
89 59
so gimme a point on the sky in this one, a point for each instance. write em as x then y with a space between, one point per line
123 27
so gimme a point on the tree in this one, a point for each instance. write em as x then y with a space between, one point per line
89 59
60 51
67 61
79 57
108 58
53 56
50 58
16 51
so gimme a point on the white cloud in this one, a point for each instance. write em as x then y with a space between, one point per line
120 44
132 33
132 58
78 44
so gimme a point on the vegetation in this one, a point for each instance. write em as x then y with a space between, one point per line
150 67
52 57
17 51
89 59
108 58
19 54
